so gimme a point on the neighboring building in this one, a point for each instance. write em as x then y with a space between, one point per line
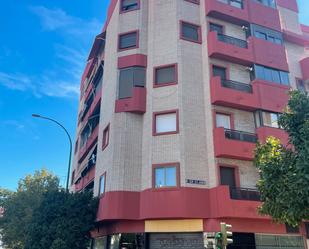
174 96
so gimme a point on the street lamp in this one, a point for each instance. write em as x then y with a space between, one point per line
70 140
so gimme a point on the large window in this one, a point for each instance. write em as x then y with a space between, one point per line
128 5
269 3
270 74
165 75
191 32
102 184
129 78
267 119
278 241
227 176
223 120
165 176
266 34
128 40
165 123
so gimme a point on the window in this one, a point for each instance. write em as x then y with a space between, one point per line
193 1
269 3
128 5
128 40
234 3
191 32
307 230
270 74
76 147
102 184
223 120
105 137
166 123
165 176
165 75
129 78
99 243
72 177
268 119
266 34
290 229
216 27
227 176
219 71
300 84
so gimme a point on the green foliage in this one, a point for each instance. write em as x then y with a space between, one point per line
42 215
284 171
62 221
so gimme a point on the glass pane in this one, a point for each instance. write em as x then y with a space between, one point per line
260 35
165 75
129 4
114 242
257 119
223 121
100 243
236 3
159 176
278 41
275 76
216 27
139 76
284 76
259 72
102 184
170 177
166 123
270 119
219 71
125 83
128 40
267 74
190 31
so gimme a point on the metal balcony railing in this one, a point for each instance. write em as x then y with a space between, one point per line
235 3
233 41
245 194
240 135
237 85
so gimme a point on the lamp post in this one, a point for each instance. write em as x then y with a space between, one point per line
70 140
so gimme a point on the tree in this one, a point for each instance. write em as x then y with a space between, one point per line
62 221
284 170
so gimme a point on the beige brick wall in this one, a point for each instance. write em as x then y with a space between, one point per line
289 20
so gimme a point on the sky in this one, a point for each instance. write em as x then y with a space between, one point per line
43 48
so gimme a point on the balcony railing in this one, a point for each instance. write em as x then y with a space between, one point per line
240 135
245 194
239 86
233 41
235 3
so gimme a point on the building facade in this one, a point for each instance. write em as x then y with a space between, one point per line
174 96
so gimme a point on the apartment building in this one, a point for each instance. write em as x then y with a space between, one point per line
174 97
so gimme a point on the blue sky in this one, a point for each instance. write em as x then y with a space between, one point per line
43 48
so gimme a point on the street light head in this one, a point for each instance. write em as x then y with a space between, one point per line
36 115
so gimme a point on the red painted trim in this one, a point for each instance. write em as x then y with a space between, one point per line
102 194
110 12
295 38
304 65
232 119
154 128
199 32
126 33
288 4
132 60
166 165
236 173
175 82
193 1
135 104
106 135
304 28
126 11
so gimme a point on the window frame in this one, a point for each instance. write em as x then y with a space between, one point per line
166 165
236 173
154 122
101 176
174 82
217 24
231 115
121 11
131 47
106 136
199 32
193 1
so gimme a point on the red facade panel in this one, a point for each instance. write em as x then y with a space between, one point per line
136 104
229 148
288 4
265 132
304 64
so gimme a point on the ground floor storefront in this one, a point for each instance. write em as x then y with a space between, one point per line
192 234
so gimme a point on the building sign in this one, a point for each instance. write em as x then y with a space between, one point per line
198 182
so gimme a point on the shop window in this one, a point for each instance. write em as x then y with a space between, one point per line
165 176
128 5
191 32
166 123
165 75
223 120
128 40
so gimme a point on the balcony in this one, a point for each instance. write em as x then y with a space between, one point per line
304 64
243 12
234 12
135 104
230 48
92 139
234 144
269 54
264 132
246 194
259 95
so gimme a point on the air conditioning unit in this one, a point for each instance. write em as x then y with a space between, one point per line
250 69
